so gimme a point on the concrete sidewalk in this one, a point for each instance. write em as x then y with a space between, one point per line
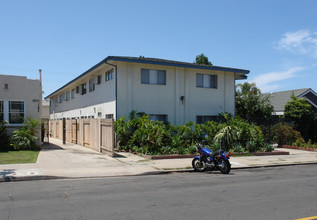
73 161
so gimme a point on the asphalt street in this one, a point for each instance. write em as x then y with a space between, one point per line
261 193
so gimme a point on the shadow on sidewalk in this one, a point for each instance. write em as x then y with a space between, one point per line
7 172
51 147
116 155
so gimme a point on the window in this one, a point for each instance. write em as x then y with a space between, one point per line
6 86
99 80
56 102
73 94
60 98
16 112
67 96
201 119
91 85
1 111
77 89
83 89
155 77
206 81
158 117
109 75
109 116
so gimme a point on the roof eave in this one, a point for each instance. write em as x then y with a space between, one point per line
195 66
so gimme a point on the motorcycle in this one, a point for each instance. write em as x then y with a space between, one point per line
208 160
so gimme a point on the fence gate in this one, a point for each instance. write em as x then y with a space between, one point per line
86 132
96 134
57 129
107 139
74 131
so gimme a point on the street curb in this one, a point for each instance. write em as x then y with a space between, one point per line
28 178
159 172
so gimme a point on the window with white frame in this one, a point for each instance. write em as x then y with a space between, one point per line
73 93
154 77
109 75
91 85
60 98
67 96
158 117
109 116
16 112
1 111
206 81
83 89
201 119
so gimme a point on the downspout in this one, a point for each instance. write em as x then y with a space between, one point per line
115 90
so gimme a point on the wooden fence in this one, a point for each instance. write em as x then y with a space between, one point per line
96 134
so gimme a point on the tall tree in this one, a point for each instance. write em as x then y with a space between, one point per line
251 105
299 112
202 59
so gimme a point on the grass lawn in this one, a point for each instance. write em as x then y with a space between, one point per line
14 157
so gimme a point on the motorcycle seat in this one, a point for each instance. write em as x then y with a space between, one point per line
217 152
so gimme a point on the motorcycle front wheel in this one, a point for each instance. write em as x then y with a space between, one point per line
224 166
198 166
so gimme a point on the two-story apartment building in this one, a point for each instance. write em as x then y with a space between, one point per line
19 98
166 90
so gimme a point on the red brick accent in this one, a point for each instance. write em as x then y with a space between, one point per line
298 148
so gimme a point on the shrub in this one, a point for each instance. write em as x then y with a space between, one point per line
252 146
4 138
228 135
268 148
140 134
299 142
25 138
286 135
238 148
245 132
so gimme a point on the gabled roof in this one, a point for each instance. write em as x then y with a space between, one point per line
156 61
279 99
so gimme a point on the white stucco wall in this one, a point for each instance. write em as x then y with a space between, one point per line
95 104
21 89
148 98
165 99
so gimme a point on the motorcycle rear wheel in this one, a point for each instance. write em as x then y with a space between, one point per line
224 166
198 167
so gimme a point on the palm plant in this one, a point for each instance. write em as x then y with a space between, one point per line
228 135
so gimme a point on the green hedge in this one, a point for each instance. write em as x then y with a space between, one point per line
142 135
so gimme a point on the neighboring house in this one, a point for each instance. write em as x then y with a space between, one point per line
19 98
279 99
45 113
166 90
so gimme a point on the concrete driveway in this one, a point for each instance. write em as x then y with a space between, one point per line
73 160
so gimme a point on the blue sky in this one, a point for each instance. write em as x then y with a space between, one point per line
275 39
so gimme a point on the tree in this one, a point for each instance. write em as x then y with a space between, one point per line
202 59
251 105
299 112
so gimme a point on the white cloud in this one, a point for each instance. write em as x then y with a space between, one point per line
271 81
299 42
